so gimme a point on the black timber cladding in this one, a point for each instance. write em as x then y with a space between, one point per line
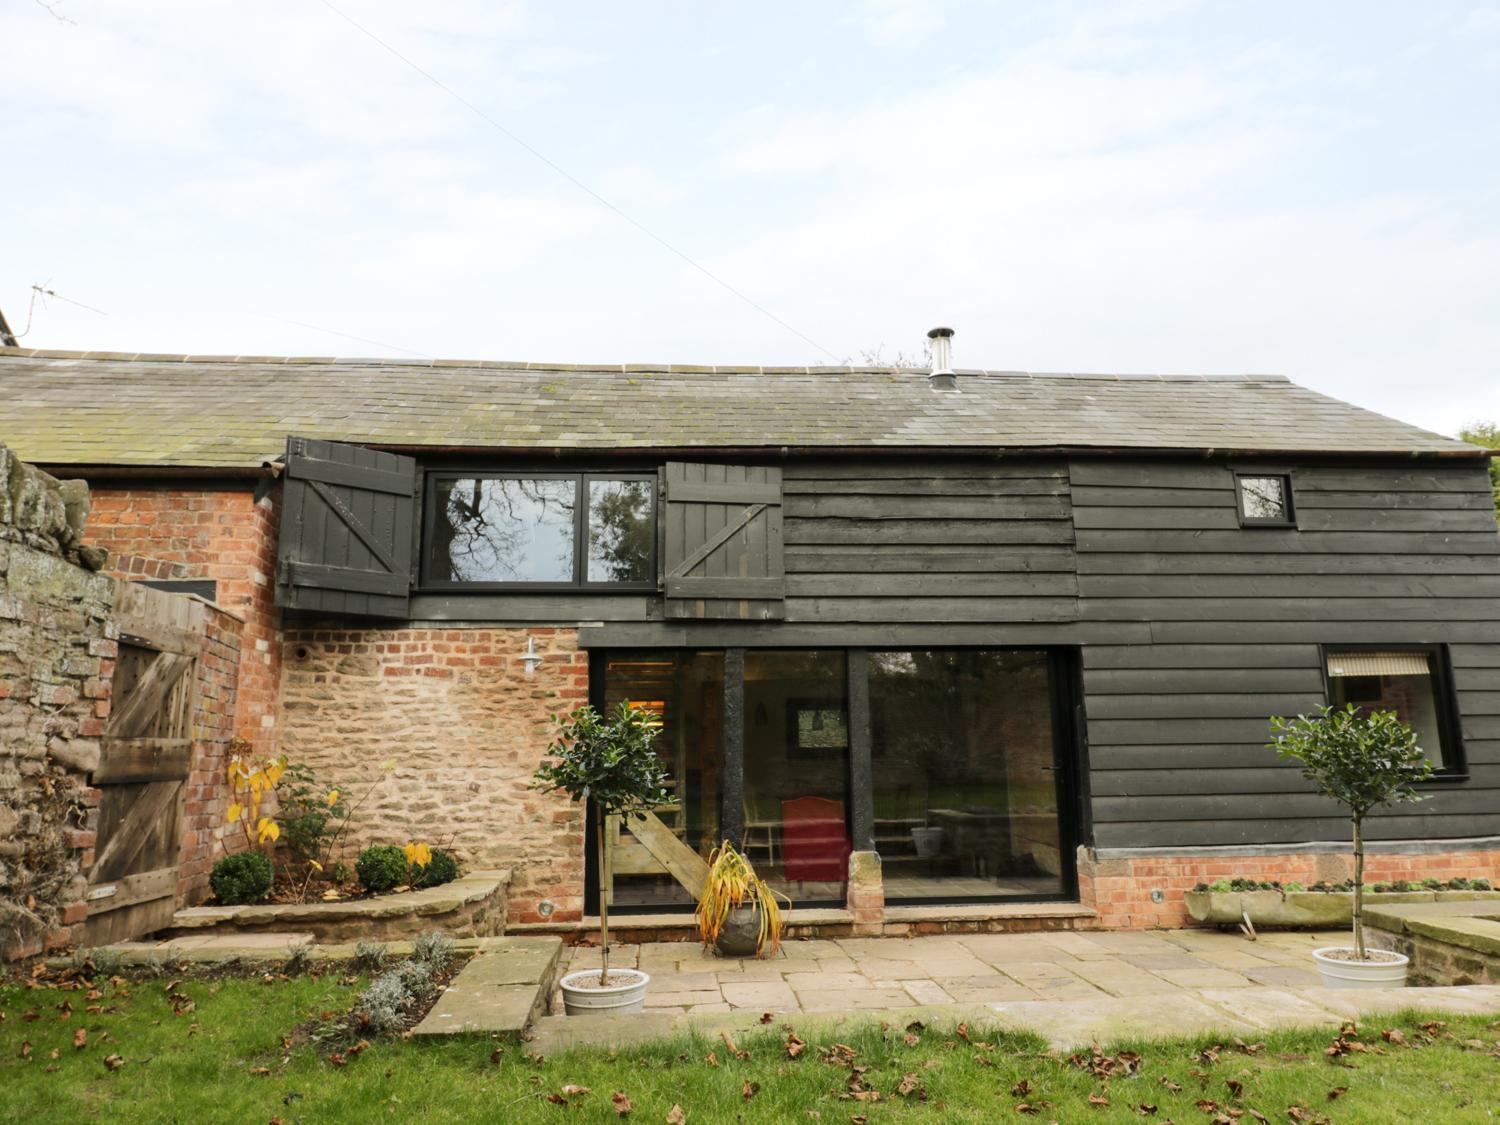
1177 727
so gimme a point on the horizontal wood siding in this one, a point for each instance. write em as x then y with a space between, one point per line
1177 727
914 543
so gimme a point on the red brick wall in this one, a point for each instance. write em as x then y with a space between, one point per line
1120 889
466 728
206 792
178 533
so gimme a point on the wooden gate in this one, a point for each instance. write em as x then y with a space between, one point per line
146 756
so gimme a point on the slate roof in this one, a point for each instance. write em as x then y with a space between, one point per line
89 408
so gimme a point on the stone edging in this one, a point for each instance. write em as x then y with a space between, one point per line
409 906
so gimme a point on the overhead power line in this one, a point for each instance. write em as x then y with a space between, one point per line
575 181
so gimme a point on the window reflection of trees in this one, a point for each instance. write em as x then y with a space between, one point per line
620 531
492 528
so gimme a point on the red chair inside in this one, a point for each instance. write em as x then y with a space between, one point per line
815 840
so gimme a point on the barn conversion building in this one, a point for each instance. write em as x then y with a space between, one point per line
1017 635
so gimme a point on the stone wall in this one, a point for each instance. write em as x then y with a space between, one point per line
222 534
1121 889
57 653
465 726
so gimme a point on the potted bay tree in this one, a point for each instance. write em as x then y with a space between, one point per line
610 762
1362 761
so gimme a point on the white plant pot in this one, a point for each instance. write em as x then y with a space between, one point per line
1337 973
629 997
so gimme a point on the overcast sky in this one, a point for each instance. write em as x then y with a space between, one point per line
1306 189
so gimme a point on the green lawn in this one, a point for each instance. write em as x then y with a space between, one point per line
214 1051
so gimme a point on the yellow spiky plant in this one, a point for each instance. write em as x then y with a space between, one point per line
733 883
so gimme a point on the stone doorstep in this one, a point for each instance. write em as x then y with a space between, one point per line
463 891
1066 1023
679 926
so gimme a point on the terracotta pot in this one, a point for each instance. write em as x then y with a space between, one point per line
741 933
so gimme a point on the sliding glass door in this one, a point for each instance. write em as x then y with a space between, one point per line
962 749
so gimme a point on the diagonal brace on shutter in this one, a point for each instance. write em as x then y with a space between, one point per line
366 536
681 569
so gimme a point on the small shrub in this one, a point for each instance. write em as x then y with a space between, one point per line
1382 888
1219 885
1460 884
369 956
381 867
241 878
1403 885
435 950
1293 888
392 996
1479 884
442 868
1430 884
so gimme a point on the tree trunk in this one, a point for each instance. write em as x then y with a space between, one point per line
1359 890
604 900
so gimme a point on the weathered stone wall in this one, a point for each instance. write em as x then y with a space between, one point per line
57 653
222 534
1121 889
466 728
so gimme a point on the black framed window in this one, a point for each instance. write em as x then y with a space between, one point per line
1265 499
1412 681
540 530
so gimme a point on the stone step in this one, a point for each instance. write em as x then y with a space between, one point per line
504 987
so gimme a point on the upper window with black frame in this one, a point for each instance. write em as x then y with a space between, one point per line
1412 682
1265 500
541 529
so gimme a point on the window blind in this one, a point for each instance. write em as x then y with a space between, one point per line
1378 664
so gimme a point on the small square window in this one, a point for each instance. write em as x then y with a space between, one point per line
1265 501
1412 682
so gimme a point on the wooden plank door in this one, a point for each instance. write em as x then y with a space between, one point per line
145 759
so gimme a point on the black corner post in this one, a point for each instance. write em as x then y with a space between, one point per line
861 777
732 787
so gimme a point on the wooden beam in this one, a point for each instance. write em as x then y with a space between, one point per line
685 865
732 779
861 776
124 760
142 887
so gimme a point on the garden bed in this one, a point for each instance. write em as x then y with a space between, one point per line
1308 908
470 906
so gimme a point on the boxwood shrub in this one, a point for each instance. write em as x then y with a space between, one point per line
244 877
442 869
381 867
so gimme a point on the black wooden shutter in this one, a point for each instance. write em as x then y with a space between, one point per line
721 542
346 529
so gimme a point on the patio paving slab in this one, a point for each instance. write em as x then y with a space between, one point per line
504 986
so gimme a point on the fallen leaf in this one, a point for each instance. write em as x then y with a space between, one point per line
1028 1108
910 1085
1337 1092
1393 1035
1098 1101
795 1045
1206 1105
750 1090
858 1119
113 1062
910 1039
712 1059
262 1071
734 1048
675 1116
81 1038
26 1048
1169 1084
496 1054
571 1091
766 1017
1146 1109
1020 1089
1261 1117
621 1103
1236 1087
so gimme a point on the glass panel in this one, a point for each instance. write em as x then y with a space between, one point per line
1264 498
797 772
621 530
504 530
965 794
1409 694
686 689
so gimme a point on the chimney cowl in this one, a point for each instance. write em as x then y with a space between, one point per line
940 377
